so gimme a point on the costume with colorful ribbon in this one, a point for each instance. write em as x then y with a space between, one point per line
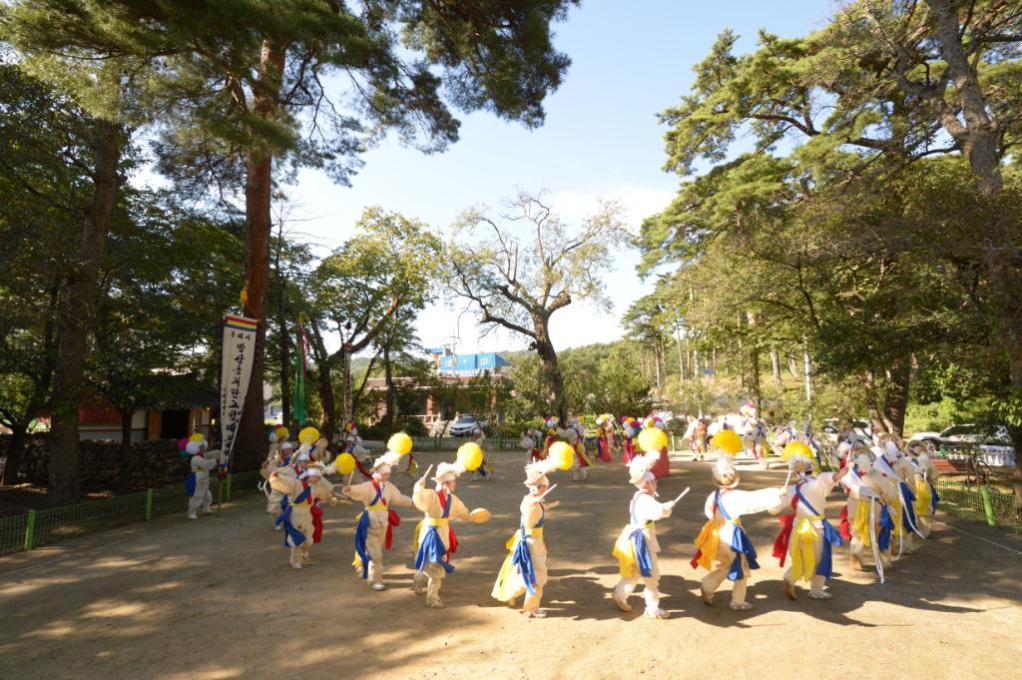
362 556
805 535
709 541
430 545
632 550
518 563
293 537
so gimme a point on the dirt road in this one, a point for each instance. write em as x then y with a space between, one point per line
216 599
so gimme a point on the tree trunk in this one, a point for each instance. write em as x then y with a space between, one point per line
324 383
15 452
980 139
876 415
76 318
807 370
121 484
775 365
754 387
284 340
658 353
249 448
896 396
793 367
346 386
550 370
388 373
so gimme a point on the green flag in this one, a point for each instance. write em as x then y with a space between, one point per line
298 397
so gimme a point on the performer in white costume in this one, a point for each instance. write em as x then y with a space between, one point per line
434 540
724 549
524 570
374 530
806 535
636 548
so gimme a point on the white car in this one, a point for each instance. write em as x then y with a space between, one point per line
995 446
465 425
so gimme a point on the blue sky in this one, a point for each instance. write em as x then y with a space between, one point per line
630 60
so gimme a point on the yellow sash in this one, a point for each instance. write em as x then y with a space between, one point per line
923 498
708 541
860 523
803 552
627 558
378 506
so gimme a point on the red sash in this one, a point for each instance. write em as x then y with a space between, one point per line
784 538
445 501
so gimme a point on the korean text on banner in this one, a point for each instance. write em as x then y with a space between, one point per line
239 353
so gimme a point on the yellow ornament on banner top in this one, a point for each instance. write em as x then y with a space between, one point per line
562 454
400 443
470 456
196 437
727 441
345 463
652 439
309 435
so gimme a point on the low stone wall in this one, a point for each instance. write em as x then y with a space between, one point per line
146 465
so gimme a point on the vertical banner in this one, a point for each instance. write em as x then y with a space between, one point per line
298 413
238 355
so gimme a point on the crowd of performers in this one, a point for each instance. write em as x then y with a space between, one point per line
891 498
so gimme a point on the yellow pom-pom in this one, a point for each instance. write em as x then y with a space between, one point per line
400 443
652 439
282 433
345 463
563 454
797 449
196 437
470 456
727 441
308 435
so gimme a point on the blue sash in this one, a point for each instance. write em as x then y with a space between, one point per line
740 544
431 547
522 558
642 554
190 484
292 536
362 531
908 509
886 527
831 537
934 498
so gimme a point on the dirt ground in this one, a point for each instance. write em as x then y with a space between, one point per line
216 599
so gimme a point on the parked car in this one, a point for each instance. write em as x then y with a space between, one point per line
464 425
863 429
993 443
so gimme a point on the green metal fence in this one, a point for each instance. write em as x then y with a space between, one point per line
44 527
981 504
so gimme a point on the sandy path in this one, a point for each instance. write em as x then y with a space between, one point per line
217 599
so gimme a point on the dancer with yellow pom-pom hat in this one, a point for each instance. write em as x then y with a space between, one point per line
374 532
300 519
434 540
723 547
524 569
806 535
636 547
662 468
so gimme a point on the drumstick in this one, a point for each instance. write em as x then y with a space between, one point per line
682 494
543 495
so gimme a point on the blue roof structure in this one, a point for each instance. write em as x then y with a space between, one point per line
472 364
